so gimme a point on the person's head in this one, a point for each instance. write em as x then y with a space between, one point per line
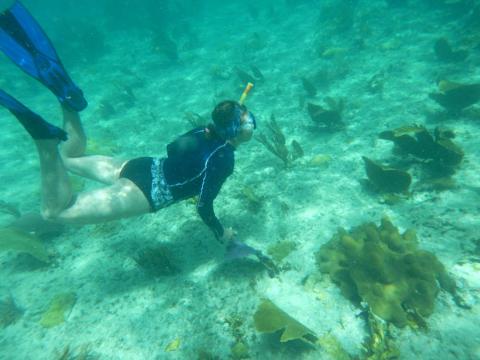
233 122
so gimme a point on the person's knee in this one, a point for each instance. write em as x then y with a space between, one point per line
54 212
50 214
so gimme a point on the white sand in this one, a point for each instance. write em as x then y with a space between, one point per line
123 313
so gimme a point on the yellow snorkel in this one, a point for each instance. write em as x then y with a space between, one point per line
249 122
245 93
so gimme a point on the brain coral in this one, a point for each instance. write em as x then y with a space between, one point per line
387 270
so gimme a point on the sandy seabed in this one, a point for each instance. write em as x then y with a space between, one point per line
124 312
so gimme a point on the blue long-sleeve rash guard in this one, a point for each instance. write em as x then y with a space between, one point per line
197 165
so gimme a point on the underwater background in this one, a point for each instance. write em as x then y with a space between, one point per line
362 184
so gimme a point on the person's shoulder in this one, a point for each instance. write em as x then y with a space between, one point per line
222 156
224 149
195 132
226 157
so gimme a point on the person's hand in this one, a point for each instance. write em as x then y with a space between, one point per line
228 235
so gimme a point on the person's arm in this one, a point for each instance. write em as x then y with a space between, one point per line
218 169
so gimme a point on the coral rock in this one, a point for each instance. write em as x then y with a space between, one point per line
269 318
387 179
455 97
385 269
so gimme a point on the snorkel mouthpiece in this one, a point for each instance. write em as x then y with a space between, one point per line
250 122
242 120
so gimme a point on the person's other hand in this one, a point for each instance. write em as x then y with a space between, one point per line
228 235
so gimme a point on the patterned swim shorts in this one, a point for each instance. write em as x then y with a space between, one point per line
147 174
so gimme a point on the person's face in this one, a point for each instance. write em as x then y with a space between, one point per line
247 126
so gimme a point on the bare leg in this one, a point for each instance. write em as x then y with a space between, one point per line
56 189
77 140
104 169
120 200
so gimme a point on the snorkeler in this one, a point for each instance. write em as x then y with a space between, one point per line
197 163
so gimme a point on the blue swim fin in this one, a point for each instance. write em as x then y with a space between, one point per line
26 44
36 126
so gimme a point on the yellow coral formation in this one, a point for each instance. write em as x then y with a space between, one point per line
386 270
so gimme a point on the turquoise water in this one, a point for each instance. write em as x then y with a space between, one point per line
157 286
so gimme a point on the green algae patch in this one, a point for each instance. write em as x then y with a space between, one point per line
333 348
320 161
23 242
280 250
60 306
386 270
252 199
269 319
239 351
